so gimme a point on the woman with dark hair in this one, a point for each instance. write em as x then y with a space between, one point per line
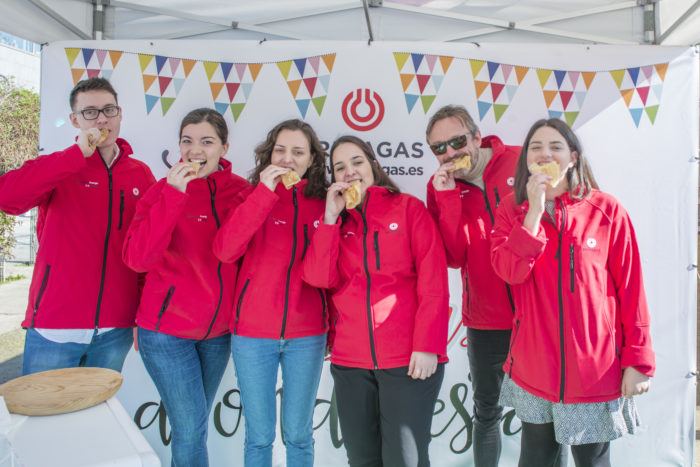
581 346
384 265
278 324
185 307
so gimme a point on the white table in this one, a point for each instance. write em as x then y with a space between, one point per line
99 436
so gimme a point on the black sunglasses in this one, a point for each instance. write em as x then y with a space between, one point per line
456 143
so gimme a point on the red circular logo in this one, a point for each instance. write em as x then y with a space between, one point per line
363 109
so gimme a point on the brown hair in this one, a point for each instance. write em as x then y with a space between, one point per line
579 177
210 116
380 177
456 111
91 84
316 173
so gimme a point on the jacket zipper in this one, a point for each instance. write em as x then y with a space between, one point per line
44 281
165 304
495 194
571 266
376 249
109 229
238 305
510 348
212 192
121 208
369 283
306 241
558 256
291 261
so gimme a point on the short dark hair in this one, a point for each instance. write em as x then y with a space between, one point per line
210 116
579 177
317 184
456 111
91 84
380 177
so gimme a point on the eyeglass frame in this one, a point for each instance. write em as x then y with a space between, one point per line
463 139
102 110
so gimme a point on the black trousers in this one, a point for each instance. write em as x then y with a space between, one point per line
385 415
539 448
487 351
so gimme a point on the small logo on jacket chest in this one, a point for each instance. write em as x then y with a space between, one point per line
198 217
88 183
277 221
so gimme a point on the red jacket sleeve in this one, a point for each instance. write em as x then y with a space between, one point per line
625 267
445 207
514 250
320 265
243 223
152 227
32 184
432 315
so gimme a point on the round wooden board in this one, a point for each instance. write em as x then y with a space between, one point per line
60 391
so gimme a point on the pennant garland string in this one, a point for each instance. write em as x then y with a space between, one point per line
308 79
421 77
495 85
231 84
641 89
91 63
564 92
163 78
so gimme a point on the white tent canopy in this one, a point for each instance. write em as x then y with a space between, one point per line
664 22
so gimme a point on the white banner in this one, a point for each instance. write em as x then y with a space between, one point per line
635 109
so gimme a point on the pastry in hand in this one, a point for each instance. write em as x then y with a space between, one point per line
462 163
290 179
352 195
196 165
551 168
104 132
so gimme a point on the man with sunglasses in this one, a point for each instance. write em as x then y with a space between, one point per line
83 298
463 202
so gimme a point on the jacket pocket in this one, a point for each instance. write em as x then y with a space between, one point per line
121 209
572 266
376 249
42 289
306 241
165 304
512 344
239 304
611 331
323 304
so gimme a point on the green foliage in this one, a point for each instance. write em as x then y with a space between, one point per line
13 277
19 140
19 125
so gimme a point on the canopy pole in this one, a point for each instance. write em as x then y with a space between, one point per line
369 24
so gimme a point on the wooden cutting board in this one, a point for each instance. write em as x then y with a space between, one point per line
60 391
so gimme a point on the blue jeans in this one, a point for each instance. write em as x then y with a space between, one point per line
187 373
106 350
256 362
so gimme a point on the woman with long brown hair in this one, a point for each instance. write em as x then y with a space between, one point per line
384 265
278 323
581 346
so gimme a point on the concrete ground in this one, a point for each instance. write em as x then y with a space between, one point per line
13 303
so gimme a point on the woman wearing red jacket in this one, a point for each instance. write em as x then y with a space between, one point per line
581 346
278 324
385 266
186 302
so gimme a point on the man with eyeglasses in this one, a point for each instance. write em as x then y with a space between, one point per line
83 298
463 202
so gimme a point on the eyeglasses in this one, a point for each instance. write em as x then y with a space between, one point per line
456 143
91 114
